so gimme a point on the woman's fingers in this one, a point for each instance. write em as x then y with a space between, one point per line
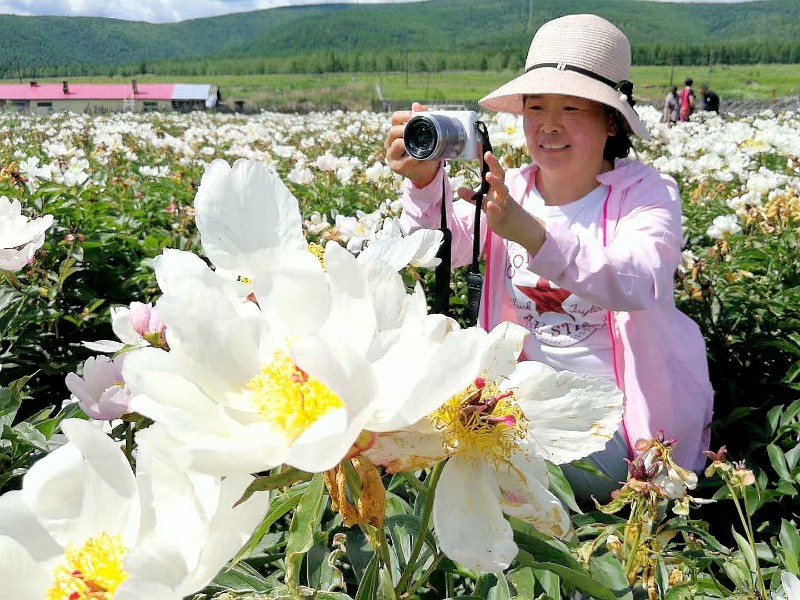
495 168
465 193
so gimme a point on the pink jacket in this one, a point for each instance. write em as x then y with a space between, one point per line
660 356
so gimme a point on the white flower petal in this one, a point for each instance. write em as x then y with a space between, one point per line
21 575
468 519
503 346
524 494
407 449
85 488
245 208
570 415
17 521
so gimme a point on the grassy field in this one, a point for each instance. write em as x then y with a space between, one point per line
358 90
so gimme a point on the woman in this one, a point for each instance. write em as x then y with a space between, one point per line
581 245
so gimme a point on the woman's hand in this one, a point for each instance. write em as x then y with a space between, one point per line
504 215
420 172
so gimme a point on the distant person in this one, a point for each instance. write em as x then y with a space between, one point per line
687 100
672 106
709 100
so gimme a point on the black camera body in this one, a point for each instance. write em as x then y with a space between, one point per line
443 135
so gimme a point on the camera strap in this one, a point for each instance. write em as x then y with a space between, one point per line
441 283
441 287
475 277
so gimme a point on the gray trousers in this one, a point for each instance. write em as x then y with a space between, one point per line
610 461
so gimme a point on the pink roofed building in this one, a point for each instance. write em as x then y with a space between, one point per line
45 98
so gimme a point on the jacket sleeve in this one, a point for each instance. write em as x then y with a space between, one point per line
635 270
422 210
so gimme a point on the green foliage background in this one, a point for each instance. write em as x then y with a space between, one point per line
429 36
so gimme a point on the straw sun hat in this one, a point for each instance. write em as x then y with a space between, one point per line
577 55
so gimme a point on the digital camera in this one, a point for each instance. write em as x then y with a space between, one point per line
443 135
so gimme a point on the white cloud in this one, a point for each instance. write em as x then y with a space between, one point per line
154 11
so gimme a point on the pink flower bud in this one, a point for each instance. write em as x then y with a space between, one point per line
145 320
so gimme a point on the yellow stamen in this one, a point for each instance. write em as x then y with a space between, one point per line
289 398
482 422
319 252
92 571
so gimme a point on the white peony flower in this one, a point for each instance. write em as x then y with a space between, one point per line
326 162
301 176
83 526
417 249
497 433
20 237
295 376
723 226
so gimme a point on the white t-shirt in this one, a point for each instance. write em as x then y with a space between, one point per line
566 332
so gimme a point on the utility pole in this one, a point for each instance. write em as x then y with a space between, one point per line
529 26
710 60
671 68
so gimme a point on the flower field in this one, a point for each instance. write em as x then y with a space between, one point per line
219 377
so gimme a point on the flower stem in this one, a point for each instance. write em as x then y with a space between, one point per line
428 572
419 542
744 516
633 549
130 435
383 548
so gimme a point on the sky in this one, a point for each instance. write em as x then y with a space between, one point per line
170 11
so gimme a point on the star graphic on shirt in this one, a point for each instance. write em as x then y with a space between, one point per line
546 297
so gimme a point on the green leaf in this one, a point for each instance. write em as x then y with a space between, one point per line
789 547
739 573
607 570
707 538
321 572
368 586
11 396
500 591
792 457
305 522
273 482
28 434
778 461
578 578
242 578
359 551
277 508
550 582
774 419
523 581
541 547
560 487
402 530
484 584
791 413
747 552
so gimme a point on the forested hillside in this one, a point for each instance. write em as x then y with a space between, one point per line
425 36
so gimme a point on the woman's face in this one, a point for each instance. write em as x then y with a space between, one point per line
566 135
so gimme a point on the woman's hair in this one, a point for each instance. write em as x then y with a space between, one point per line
689 81
618 145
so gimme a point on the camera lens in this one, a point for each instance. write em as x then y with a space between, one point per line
434 137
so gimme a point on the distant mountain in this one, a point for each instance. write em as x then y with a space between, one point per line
31 46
